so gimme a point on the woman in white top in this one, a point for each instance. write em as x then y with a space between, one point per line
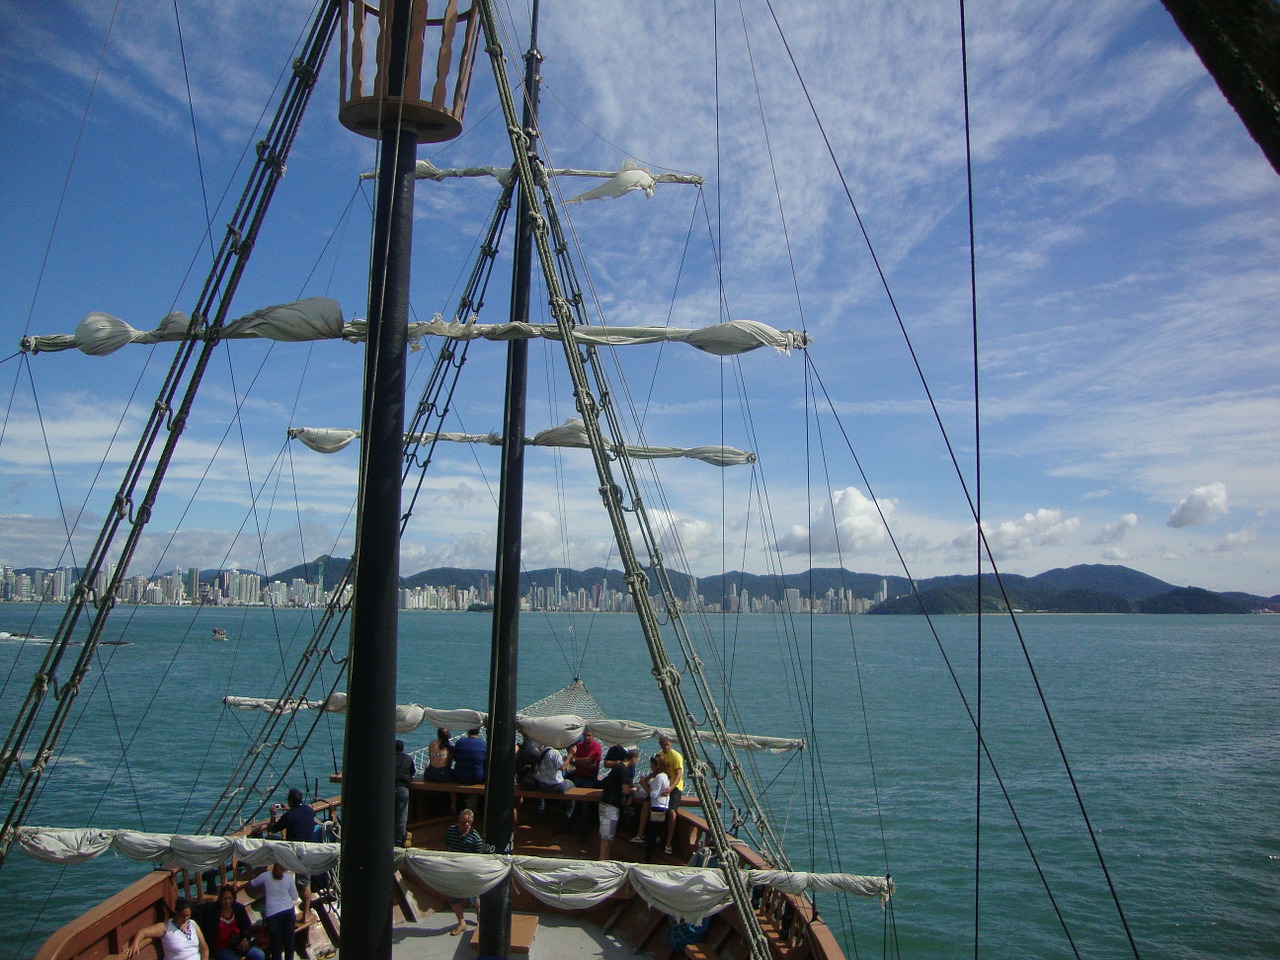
280 889
659 787
180 938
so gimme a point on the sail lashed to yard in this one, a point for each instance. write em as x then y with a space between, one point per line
320 318
570 434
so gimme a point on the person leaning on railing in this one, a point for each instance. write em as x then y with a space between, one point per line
180 937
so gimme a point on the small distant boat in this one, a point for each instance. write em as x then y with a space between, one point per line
117 643
218 634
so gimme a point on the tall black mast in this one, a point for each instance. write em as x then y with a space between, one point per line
368 786
388 106
499 812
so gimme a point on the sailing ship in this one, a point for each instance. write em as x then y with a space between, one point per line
770 916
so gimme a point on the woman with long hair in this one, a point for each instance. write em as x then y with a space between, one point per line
228 929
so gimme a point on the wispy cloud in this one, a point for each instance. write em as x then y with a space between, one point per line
1114 531
1237 540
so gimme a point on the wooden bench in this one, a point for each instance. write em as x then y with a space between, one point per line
585 794
588 794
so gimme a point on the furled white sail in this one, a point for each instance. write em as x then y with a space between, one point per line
722 339
630 177
426 170
101 334
559 730
320 318
572 433
687 893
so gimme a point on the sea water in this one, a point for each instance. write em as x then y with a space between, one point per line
1170 725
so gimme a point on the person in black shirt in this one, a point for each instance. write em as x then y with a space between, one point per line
405 770
615 793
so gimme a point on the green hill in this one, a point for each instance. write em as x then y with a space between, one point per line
1194 600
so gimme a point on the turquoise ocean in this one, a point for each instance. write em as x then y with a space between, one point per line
1171 725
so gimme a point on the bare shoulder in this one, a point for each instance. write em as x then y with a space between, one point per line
154 932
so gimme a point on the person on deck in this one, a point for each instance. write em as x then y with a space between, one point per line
615 794
280 888
298 824
549 777
404 776
469 755
528 754
180 937
673 766
617 755
659 788
586 773
462 837
228 928
439 757
439 760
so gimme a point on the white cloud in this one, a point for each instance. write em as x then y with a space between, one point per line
1236 539
1017 538
856 525
1200 506
1114 531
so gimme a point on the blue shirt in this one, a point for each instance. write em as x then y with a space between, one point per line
469 754
298 823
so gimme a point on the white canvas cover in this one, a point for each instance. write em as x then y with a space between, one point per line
559 730
687 893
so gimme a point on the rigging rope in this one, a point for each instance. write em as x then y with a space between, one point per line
244 788
195 132
211 310
984 546
565 303
977 478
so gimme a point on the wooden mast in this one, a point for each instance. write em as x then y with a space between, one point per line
395 114
499 811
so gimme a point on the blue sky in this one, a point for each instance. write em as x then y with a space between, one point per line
1127 275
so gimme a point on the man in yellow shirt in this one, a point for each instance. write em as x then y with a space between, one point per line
673 767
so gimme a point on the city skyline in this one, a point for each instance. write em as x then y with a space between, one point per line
234 588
